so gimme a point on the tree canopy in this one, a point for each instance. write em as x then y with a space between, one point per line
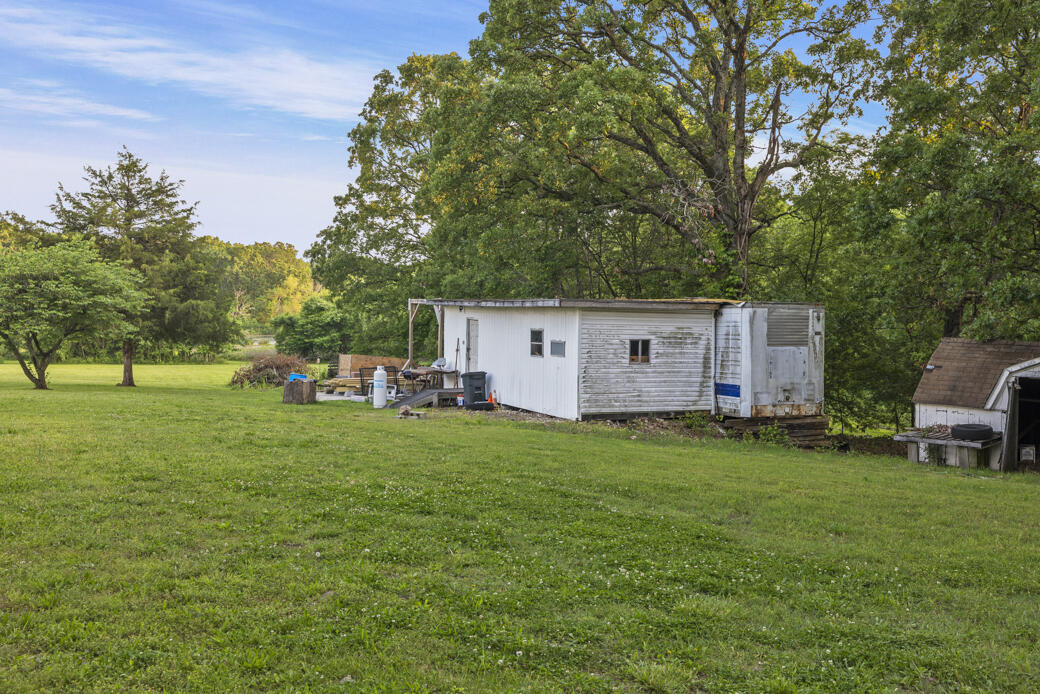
52 295
143 221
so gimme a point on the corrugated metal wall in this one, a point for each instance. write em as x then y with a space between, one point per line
678 377
788 326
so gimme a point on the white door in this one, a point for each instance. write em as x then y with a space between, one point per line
471 344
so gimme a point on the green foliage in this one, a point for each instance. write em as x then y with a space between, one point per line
319 331
954 191
141 220
654 110
374 254
61 293
774 435
701 423
17 232
192 537
264 279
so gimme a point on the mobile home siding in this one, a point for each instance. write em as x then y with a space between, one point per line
545 384
678 377
728 359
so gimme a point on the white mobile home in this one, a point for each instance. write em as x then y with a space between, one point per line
577 359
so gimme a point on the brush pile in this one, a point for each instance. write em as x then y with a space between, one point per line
269 371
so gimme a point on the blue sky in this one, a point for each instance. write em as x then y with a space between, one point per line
250 103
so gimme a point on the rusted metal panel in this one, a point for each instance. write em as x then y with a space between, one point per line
787 410
678 375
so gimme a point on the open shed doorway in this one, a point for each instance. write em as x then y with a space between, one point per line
1028 419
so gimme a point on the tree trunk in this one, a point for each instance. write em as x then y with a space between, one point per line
40 382
952 321
128 364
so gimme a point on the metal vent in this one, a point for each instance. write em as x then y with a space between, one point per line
787 327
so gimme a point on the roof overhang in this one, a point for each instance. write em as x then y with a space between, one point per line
606 304
1007 373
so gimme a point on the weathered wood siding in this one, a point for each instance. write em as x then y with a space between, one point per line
678 377
948 415
546 384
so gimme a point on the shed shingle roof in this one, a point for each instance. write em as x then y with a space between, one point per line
966 371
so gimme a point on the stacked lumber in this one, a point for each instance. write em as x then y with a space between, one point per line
350 364
341 385
804 432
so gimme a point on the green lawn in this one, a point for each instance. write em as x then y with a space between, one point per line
183 536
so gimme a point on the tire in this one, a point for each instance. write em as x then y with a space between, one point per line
971 432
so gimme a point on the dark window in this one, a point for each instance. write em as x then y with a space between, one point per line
639 351
558 348
536 343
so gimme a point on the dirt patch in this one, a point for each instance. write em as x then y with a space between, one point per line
874 445
696 427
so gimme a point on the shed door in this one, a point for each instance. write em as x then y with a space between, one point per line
471 344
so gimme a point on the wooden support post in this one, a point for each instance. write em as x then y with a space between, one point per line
412 310
439 310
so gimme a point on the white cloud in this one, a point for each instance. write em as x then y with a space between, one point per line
274 78
58 102
264 203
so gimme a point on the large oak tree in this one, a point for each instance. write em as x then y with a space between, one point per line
716 98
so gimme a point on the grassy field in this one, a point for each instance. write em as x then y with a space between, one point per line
183 536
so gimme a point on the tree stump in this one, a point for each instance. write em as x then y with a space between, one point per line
300 392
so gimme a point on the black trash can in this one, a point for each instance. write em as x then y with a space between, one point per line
474 386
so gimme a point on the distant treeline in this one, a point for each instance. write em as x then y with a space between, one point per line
198 294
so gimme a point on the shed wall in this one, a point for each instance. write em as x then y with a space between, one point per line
948 415
546 384
678 377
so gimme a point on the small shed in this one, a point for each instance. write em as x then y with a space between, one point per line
587 358
970 382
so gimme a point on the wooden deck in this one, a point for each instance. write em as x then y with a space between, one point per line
939 439
431 397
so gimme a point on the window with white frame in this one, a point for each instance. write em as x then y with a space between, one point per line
537 343
639 351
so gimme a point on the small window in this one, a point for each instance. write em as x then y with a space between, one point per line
558 348
536 343
639 351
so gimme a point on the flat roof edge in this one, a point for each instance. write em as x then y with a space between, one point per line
606 304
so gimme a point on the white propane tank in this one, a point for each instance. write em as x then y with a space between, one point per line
379 388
